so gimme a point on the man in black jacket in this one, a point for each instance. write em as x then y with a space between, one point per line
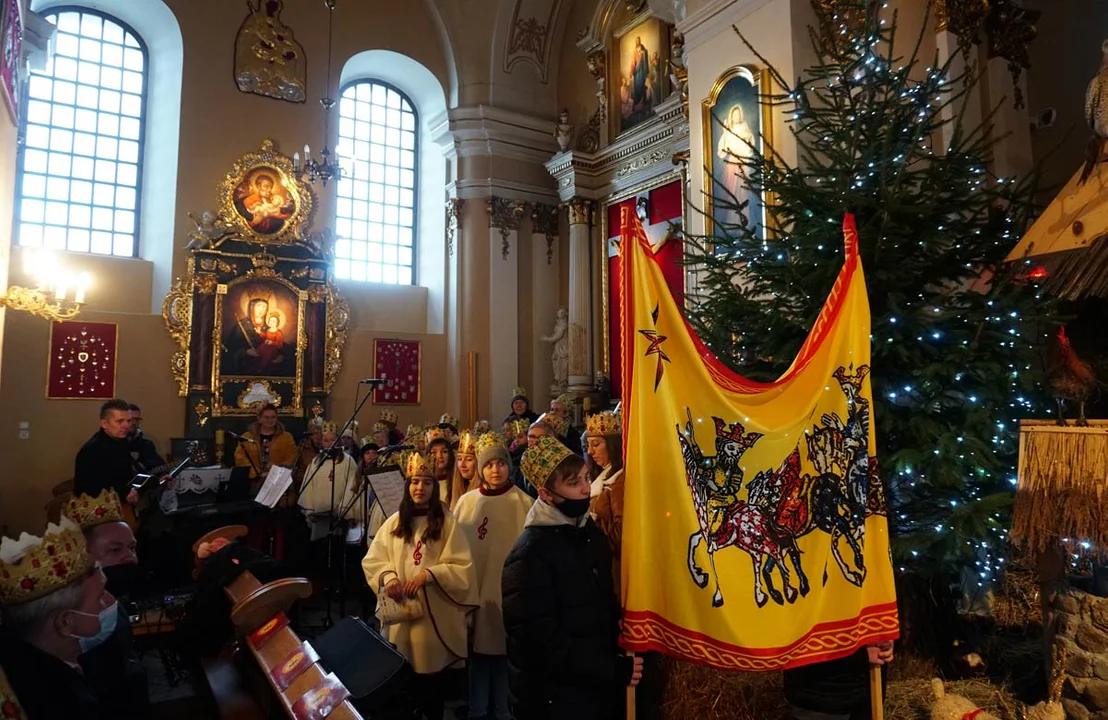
105 461
560 611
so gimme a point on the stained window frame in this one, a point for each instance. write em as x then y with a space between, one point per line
142 136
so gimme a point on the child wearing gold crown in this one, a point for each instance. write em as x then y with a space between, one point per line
420 552
440 450
493 516
560 611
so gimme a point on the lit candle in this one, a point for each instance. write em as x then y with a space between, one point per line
60 290
82 286
296 159
218 437
307 152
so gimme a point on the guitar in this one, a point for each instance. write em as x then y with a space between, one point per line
164 473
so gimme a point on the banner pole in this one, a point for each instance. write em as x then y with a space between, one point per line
876 699
630 702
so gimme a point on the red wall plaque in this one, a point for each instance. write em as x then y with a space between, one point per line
82 360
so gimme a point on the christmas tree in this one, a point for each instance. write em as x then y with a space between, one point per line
957 336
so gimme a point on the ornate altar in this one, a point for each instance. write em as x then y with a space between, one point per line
256 318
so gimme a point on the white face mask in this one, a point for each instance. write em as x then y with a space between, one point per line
107 618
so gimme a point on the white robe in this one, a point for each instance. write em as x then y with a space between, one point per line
492 524
437 640
316 499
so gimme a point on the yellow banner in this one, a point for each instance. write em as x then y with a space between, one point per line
754 532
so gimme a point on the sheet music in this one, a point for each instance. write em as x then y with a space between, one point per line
390 486
276 484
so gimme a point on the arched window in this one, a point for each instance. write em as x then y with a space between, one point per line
376 210
79 175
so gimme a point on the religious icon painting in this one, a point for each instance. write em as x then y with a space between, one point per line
264 200
737 127
400 364
11 55
82 361
640 79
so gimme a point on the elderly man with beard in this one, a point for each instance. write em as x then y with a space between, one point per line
116 677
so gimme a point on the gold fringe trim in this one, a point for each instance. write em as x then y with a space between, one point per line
1063 472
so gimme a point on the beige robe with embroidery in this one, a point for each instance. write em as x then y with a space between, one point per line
316 498
492 524
437 640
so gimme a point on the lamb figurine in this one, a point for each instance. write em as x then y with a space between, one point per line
954 707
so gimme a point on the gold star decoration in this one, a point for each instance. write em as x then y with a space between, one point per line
656 339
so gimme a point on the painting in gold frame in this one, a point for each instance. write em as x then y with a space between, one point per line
639 80
264 200
258 337
735 122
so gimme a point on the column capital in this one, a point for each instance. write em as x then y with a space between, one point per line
580 211
453 217
544 221
505 215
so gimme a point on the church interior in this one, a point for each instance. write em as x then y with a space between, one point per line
409 211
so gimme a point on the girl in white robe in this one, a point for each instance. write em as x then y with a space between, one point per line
493 517
421 552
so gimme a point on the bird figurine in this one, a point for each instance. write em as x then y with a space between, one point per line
1071 378
1096 114
967 663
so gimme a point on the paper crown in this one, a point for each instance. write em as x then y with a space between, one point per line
331 427
436 433
351 429
519 392
33 567
315 423
367 440
564 399
413 432
556 423
388 416
517 427
481 427
419 466
487 440
468 443
448 419
540 459
88 512
380 427
603 424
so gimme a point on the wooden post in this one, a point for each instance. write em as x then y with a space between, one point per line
631 702
876 697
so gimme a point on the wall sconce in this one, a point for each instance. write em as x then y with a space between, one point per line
58 293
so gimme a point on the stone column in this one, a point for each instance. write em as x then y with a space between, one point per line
503 289
580 307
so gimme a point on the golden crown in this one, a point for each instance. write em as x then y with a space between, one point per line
380 427
413 432
603 424
33 567
486 441
540 459
331 427
556 423
436 433
419 466
388 416
88 512
468 443
518 427
519 391
448 419
351 429
481 427
366 441
564 399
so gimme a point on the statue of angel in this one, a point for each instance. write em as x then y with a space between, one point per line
209 229
560 357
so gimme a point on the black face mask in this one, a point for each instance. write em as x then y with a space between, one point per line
572 508
121 579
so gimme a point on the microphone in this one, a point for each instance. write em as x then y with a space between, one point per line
394 448
372 381
240 438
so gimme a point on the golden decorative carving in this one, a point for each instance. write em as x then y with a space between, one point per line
317 409
318 293
264 201
258 392
264 264
201 409
268 60
299 273
206 284
1008 30
641 162
580 211
338 318
505 215
213 264
177 313
317 274
453 217
544 221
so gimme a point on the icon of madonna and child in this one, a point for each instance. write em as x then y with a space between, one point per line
259 330
263 201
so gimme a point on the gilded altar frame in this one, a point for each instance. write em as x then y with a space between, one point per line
282 220
760 80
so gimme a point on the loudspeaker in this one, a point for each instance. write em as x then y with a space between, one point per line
374 671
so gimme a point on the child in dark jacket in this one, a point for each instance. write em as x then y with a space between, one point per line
560 611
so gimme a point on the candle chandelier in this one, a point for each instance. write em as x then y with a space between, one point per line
57 295
327 167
